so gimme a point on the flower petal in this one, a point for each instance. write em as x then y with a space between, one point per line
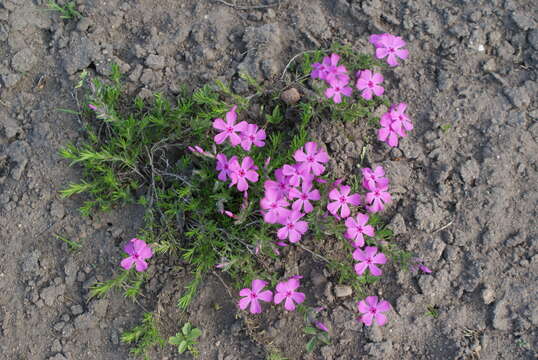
257 285
266 295
255 307
243 303
127 263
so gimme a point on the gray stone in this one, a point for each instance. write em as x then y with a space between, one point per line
79 54
51 294
519 97
501 318
77 309
397 225
18 152
488 295
523 21
533 38
24 60
10 126
10 80
342 291
470 171
155 62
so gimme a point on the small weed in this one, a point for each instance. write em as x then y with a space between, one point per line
274 355
317 337
186 339
71 244
433 311
522 343
143 336
68 11
445 127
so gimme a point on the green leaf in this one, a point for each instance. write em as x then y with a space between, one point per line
310 330
195 333
186 329
311 345
182 347
175 340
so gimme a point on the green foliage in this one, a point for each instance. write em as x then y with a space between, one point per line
433 311
186 339
71 244
317 337
68 11
143 336
129 281
135 152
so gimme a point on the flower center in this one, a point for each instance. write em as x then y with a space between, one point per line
241 172
290 226
369 261
370 84
273 206
253 295
251 137
136 256
342 199
310 158
373 310
229 129
288 293
359 229
391 50
304 196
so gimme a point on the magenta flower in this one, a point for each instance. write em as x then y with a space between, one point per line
139 251
328 66
223 166
229 128
319 71
390 129
321 326
375 39
369 259
285 291
397 112
368 83
372 179
418 265
336 91
357 228
377 198
293 229
281 185
371 309
241 173
303 197
252 135
341 199
275 206
311 158
254 295
293 173
390 46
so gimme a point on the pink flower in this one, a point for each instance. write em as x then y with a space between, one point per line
241 173
397 113
321 326
254 295
341 200
418 265
376 38
139 251
311 158
281 185
389 46
336 91
368 83
372 309
328 66
369 259
357 228
229 128
390 129
223 166
285 290
293 173
293 228
377 198
274 205
303 196
93 107
372 179
252 135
